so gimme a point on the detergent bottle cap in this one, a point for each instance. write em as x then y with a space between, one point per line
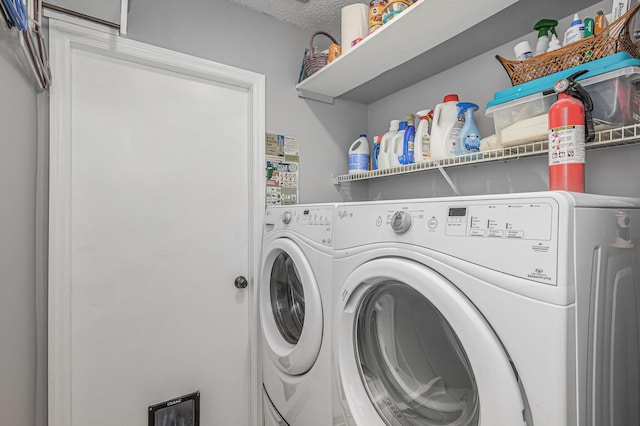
451 98
363 135
410 119
425 114
403 125
394 125
464 106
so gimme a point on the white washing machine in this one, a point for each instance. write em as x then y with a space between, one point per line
294 293
501 310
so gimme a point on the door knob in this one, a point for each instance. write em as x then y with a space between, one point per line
241 282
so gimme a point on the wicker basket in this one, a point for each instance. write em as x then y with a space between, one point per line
314 60
615 38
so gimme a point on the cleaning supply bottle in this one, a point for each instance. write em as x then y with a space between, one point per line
386 145
445 116
469 138
408 143
452 138
522 51
544 26
422 145
397 146
359 155
554 44
575 32
375 153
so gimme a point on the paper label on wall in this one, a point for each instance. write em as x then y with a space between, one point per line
283 155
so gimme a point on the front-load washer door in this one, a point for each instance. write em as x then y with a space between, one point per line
413 350
290 307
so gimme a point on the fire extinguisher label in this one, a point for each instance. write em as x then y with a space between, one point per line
566 145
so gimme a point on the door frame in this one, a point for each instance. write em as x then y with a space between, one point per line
64 39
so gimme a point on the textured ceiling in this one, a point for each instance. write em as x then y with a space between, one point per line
312 15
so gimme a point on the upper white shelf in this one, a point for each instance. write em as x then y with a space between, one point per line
429 37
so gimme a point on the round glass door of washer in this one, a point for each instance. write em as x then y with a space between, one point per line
413 346
290 308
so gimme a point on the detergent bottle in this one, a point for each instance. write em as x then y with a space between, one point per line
422 145
445 116
359 155
469 138
384 157
375 153
452 138
408 144
397 146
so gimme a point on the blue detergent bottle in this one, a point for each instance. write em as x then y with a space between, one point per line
408 146
468 140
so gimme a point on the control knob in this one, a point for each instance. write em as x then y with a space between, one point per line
401 222
286 217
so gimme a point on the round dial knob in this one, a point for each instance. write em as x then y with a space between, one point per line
401 222
286 218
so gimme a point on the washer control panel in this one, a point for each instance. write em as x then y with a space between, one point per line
312 221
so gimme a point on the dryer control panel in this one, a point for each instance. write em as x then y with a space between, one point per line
514 236
311 221
511 220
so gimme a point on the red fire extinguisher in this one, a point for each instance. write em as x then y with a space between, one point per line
570 126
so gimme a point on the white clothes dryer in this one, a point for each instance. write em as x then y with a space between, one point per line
500 310
294 291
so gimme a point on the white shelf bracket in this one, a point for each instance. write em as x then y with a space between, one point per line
446 177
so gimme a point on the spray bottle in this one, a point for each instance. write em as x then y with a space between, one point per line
544 26
570 126
397 146
422 147
469 138
408 144
386 146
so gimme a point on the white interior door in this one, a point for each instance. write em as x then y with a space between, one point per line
156 202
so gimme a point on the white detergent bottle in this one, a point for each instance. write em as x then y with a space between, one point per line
445 116
397 146
385 145
422 146
359 155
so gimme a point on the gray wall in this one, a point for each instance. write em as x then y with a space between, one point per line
612 171
18 144
230 34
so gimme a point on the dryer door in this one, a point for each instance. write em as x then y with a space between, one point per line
417 349
290 307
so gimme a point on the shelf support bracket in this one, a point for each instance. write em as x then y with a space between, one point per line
449 181
302 93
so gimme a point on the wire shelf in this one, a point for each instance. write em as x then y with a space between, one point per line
605 138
